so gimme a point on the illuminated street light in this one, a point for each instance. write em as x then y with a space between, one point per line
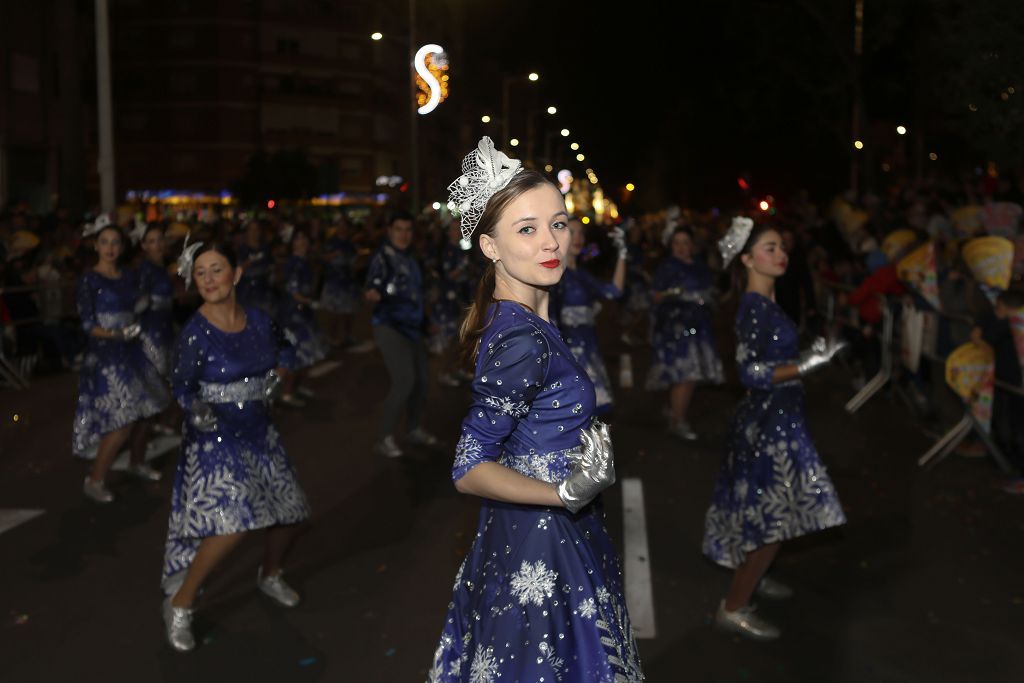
933 156
764 205
565 132
485 118
630 187
549 168
580 157
436 205
858 144
534 76
902 130
514 142
585 220
377 35
575 146
552 110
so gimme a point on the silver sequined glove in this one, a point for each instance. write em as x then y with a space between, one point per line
618 236
142 304
821 353
201 416
272 385
128 332
594 470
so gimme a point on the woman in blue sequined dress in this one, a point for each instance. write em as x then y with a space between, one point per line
339 298
233 476
683 338
772 485
539 595
157 292
118 388
578 295
257 262
297 315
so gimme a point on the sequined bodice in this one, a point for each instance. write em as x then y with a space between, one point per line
765 338
107 302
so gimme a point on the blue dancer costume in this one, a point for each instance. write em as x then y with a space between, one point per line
577 303
254 289
117 385
453 297
299 320
157 320
772 485
539 596
683 338
235 477
341 292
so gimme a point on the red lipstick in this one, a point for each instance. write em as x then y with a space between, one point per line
553 263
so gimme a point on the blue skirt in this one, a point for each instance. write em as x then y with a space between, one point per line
684 347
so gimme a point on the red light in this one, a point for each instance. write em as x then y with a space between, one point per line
271 204
764 205
742 183
404 187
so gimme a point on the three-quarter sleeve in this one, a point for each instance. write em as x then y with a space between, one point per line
510 373
189 358
85 301
751 343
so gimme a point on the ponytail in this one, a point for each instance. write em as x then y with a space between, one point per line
473 325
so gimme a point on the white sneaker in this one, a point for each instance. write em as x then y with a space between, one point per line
278 591
144 471
746 623
361 347
178 624
448 380
97 491
421 437
292 401
683 431
388 448
773 590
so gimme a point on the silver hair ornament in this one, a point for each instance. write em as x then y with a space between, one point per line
102 221
485 171
187 259
735 239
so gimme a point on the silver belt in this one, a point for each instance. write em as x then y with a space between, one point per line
239 391
115 321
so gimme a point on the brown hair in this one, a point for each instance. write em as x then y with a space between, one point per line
474 324
737 270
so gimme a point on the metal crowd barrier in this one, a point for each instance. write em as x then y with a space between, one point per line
10 375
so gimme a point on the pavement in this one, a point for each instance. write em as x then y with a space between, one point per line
924 583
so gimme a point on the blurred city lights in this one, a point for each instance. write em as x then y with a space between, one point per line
534 76
514 142
580 157
430 62
933 156
377 35
858 144
630 187
271 204
549 168
902 130
585 220
565 132
574 146
764 205
744 185
485 118
552 110
436 205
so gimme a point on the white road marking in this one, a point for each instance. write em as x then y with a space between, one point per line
639 592
12 518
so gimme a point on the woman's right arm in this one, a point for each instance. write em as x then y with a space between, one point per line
754 371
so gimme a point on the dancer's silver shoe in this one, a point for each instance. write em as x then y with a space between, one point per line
422 437
388 447
178 624
144 471
773 589
746 623
279 591
683 431
97 491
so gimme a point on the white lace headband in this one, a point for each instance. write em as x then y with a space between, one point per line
485 170
735 239
102 221
187 258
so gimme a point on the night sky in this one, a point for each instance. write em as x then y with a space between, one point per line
682 98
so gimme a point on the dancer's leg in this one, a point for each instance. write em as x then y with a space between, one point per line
278 543
110 445
139 439
748 575
212 550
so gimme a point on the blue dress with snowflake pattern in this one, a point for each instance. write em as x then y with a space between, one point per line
539 595
453 297
237 476
157 320
341 292
299 320
254 289
772 485
117 385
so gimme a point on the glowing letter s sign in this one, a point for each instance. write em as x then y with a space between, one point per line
420 64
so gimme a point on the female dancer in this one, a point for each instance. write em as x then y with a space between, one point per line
772 485
539 596
578 293
257 266
340 295
158 296
298 318
451 301
683 339
118 388
234 476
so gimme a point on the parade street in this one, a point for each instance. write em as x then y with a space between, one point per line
922 584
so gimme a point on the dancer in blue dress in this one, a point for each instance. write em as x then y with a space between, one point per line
157 293
298 317
339 298
578 295
233 476
772 485
257 262
453 297
118 388
539 596
683 338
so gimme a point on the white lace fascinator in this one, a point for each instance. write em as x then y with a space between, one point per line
735 239
139 231
187 258
102 221
485 170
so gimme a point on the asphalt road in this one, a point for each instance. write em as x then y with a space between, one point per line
924 583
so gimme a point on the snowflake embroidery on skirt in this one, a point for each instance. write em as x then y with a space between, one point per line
533 583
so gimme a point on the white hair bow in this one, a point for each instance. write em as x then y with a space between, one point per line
735 238
102 221
485 170
187 258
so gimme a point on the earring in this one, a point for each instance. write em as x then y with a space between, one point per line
494 260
